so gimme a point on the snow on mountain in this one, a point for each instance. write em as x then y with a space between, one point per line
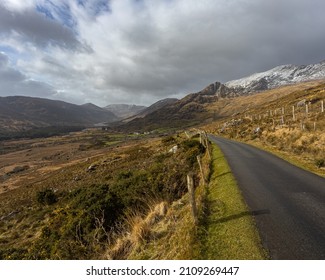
278 76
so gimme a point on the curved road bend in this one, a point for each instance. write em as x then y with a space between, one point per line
288 203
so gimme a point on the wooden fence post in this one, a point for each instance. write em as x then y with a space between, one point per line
191 192
201 170
207 144
282 120
322 106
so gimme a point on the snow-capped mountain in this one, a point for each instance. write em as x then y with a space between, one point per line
278 76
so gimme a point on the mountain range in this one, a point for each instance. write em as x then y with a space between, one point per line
278 76
273 78
18 113
193 108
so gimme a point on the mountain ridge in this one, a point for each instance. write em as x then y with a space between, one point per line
278 76
20 113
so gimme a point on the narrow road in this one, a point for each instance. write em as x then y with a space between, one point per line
288 203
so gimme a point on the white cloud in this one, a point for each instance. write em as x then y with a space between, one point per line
18 4
140 51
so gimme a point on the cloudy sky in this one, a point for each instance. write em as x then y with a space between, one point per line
140 51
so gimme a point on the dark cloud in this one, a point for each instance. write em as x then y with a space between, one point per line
8 75
3 60
181 48
36 28
13 82
148 50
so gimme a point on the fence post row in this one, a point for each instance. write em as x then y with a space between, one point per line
302 112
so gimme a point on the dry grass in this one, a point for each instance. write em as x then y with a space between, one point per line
173 234
172 238
232 106
298 136
140 231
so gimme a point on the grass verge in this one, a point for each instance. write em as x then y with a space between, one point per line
297 160
228 229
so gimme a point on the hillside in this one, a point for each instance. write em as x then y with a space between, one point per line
172 113
75 196
19 113
156 106
291 123
96 195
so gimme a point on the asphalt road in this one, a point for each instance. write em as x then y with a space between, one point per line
288 203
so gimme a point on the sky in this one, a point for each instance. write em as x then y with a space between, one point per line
141 51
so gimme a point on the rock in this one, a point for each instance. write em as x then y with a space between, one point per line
92 167
257 130
173 150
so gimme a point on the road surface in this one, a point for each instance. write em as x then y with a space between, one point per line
288 203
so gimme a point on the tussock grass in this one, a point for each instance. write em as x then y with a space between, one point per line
228 230
141 231
174 235
172 238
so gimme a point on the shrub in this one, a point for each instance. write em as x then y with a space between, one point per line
192 149
46 197
168 140
95 201
192 143
320 163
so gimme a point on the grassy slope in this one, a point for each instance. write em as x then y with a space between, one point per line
229 229
226 229
292 158
154 234
304 148
87 218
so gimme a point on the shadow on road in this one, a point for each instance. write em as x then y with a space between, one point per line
223 174
242 214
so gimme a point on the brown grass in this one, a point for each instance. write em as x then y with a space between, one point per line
303 136
231 106
140 231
